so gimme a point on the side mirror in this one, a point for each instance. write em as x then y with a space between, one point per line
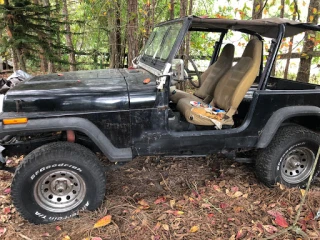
179 73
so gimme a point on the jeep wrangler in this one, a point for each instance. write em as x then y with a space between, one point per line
58 121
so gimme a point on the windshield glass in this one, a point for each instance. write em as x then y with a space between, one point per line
161 41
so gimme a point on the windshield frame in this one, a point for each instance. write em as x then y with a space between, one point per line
146 61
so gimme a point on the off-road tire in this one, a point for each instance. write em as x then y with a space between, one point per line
278 162
68 165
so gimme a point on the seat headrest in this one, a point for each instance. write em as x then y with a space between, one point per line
227 51
252 49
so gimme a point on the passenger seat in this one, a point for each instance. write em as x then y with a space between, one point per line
210 78
230 90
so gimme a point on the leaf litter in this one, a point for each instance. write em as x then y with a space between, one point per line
176 198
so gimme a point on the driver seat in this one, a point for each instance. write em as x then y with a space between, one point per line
230 90
210 78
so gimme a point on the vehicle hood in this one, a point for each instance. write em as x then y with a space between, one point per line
96 90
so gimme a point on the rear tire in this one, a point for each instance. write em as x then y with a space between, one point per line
289 157
56 181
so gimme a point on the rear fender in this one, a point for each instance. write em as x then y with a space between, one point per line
279 117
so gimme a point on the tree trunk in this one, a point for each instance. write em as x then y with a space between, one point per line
43 60
171 9
118 35
286 69
132 30
21 60
50 63
10 33
15 60
57 29
257 9
188 35
305 62
183 12
72 58
115 35
112 40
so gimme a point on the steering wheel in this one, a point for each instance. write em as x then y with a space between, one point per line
196 85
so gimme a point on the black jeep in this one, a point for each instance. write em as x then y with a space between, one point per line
60 120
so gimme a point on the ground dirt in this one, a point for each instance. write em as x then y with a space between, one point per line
176 198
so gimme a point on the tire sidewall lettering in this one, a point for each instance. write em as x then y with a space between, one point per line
51 218
42 169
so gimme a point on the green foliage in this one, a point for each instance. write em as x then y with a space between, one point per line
36 27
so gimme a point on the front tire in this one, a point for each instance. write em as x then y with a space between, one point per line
56 181
289 157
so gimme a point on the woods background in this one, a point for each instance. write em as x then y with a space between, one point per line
59 35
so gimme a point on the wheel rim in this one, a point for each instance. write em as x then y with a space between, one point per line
297 165
59 190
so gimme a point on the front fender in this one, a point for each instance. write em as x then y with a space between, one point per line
83 125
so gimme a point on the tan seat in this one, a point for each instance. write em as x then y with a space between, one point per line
210 78
230 90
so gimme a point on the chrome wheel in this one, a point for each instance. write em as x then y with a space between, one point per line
59 190
297 165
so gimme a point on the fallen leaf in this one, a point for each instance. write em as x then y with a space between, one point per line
210 215
309 217
245 195
303 192
281 221
45 235
144 204
281 186
157 226
258 227
272 205
58 228
237 194
103 222
176 213
165 227
205 205
217 188
222 183
194 229
238 209
96 238
240 234
223 205
6 210
7 191
137 210
2 231
172 203
162 217
160 200
303 224
270 228
66 238
235 189
274 213
233 237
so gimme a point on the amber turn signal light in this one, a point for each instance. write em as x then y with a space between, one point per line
15 121
146 81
